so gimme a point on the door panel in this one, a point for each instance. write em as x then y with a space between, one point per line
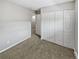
59 27
69 28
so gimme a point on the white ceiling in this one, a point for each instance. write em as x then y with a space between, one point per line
36 4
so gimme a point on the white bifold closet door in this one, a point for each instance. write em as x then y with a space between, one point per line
69 28
45 26
47 31
58 27
52 27
51 19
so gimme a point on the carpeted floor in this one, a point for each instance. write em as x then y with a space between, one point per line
34 48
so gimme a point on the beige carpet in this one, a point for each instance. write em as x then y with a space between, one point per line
34 48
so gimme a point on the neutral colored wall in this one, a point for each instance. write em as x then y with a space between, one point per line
58 24
15 24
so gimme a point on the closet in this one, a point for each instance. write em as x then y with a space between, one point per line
58 25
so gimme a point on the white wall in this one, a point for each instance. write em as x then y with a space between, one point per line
15 24
58 24
38 24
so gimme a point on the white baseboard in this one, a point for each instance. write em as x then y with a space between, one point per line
41 38
13 45
76 55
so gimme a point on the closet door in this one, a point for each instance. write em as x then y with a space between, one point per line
48 27
51 26
45 26
59 27
69 28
